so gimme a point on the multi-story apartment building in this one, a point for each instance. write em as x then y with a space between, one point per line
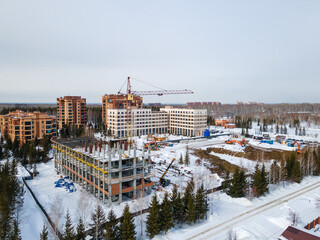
117 101
144 122
187 122
71 110
108 173
27 126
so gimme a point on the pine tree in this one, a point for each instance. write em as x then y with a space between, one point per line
81 233
127 227
98 218
191 210
68 228
112 228
153 224
166 214
15 234
201 203
44 234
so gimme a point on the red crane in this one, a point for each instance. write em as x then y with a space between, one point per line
130 94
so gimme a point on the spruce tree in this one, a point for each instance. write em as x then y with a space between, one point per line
1 152
127 227
191 210
68 228
179 216
166 214
44 234
15 233
81 233
201 203
153 224
181 159
112 228
189 191
98 218
237 184
264 181
226 183
187 157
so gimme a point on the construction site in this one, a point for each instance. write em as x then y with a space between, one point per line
110 171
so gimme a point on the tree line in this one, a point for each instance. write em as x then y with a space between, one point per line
292 169
11 201
28 153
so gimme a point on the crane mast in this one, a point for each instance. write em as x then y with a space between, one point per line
129 99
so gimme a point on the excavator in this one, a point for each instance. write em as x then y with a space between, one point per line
153 146
242 143
299 148
165 182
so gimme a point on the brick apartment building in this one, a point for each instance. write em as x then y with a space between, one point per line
116 101
27 126
71 110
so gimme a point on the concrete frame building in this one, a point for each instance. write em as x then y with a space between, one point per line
110 173
187 122
71 110
27 126
144 121
116 101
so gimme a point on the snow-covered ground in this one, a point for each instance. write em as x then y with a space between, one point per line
222 207
267 222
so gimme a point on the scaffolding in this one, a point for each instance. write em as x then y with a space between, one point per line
109 173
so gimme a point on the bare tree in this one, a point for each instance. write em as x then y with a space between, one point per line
231 235
56 213
84 206
293 217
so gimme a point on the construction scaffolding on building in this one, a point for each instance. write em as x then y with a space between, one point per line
108 172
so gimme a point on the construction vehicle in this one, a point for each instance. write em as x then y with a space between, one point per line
294 143
153 146
242 143
166 182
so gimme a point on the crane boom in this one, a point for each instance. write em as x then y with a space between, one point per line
163 92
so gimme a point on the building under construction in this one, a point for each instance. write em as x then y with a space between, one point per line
110 171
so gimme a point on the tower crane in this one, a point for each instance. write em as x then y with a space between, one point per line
129 98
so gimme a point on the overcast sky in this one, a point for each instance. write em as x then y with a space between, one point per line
227 51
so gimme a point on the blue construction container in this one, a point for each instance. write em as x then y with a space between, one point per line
207 133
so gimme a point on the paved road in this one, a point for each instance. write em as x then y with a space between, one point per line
213 231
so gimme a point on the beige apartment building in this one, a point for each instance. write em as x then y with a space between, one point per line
144 122
116 101
187 122
71 110
27 126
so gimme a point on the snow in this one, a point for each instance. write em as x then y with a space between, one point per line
267 224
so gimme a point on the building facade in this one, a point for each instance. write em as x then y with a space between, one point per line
71 110
187 122
116 101
109 173
27 126
144 121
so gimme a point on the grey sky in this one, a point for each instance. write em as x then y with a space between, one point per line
266 51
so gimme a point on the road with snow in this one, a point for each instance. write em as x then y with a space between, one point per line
223 227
